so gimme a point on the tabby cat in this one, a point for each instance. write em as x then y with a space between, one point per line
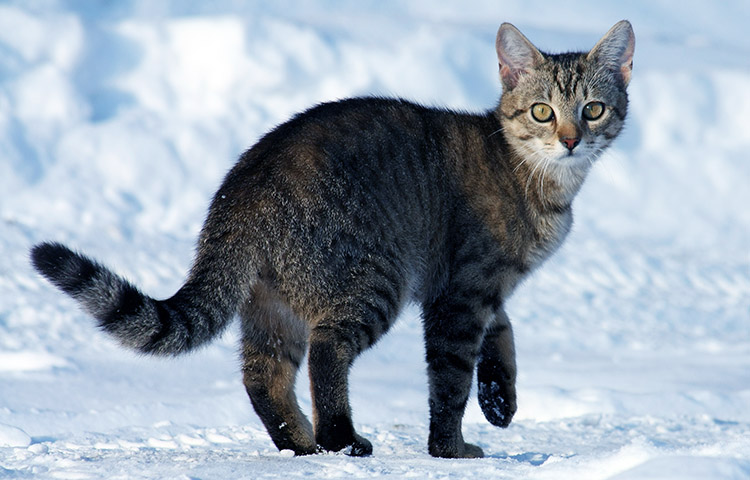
334 220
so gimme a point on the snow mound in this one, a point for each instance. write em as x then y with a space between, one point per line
13 437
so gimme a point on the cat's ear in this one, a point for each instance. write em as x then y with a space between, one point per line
615 50
516 55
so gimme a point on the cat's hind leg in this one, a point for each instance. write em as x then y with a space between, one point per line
274 341
332 352
350 326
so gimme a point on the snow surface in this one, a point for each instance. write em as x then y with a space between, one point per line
118 120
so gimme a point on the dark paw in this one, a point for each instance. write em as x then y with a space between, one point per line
356 447
498 402
360 448
464 450
302 451
472 451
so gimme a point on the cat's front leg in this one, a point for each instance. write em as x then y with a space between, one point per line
453 336
496 372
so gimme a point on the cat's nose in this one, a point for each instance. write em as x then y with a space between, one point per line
570 142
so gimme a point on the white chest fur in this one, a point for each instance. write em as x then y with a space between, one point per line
552 228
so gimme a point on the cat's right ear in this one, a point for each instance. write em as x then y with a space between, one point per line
615 50
516 55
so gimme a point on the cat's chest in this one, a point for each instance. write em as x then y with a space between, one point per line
550 230
524 243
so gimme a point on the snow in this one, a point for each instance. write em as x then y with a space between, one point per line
118 121
13 437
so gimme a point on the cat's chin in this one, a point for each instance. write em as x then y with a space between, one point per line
570 161
577 159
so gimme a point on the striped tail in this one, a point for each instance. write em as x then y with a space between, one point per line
196 314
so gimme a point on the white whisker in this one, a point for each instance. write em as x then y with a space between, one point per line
547 164
531 176
520 164
495 132
542 172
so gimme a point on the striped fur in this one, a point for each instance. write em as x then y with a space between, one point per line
334 220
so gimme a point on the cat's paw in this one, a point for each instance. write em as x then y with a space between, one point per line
361 447
472 451
498 402
302 450
463 450
496 392
358 446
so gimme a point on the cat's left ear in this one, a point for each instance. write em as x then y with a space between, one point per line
615 50
516 55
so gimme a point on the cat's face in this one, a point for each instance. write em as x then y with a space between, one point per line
562 111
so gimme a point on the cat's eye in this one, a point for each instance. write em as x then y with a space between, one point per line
542 112
593 110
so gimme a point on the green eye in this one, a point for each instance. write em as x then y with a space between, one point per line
542 112
593 110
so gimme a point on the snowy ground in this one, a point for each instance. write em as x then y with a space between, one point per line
119 119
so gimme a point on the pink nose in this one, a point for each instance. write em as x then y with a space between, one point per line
570 143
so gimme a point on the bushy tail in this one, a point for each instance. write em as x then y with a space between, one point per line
197 313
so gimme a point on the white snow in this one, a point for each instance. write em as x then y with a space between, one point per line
13 437
118 121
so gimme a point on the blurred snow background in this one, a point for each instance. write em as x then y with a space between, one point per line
118 121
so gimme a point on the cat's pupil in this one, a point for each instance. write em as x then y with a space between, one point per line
541 112
593 110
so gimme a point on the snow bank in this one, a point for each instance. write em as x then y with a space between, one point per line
13 437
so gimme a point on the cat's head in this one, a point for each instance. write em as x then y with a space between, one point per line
562 110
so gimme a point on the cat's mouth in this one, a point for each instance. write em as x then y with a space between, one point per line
582 154
575 159
557 153
565 156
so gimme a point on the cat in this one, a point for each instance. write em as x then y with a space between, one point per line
334 220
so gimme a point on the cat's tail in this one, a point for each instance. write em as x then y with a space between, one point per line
196 314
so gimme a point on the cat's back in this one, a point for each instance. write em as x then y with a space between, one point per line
358 155
351 134
363 174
